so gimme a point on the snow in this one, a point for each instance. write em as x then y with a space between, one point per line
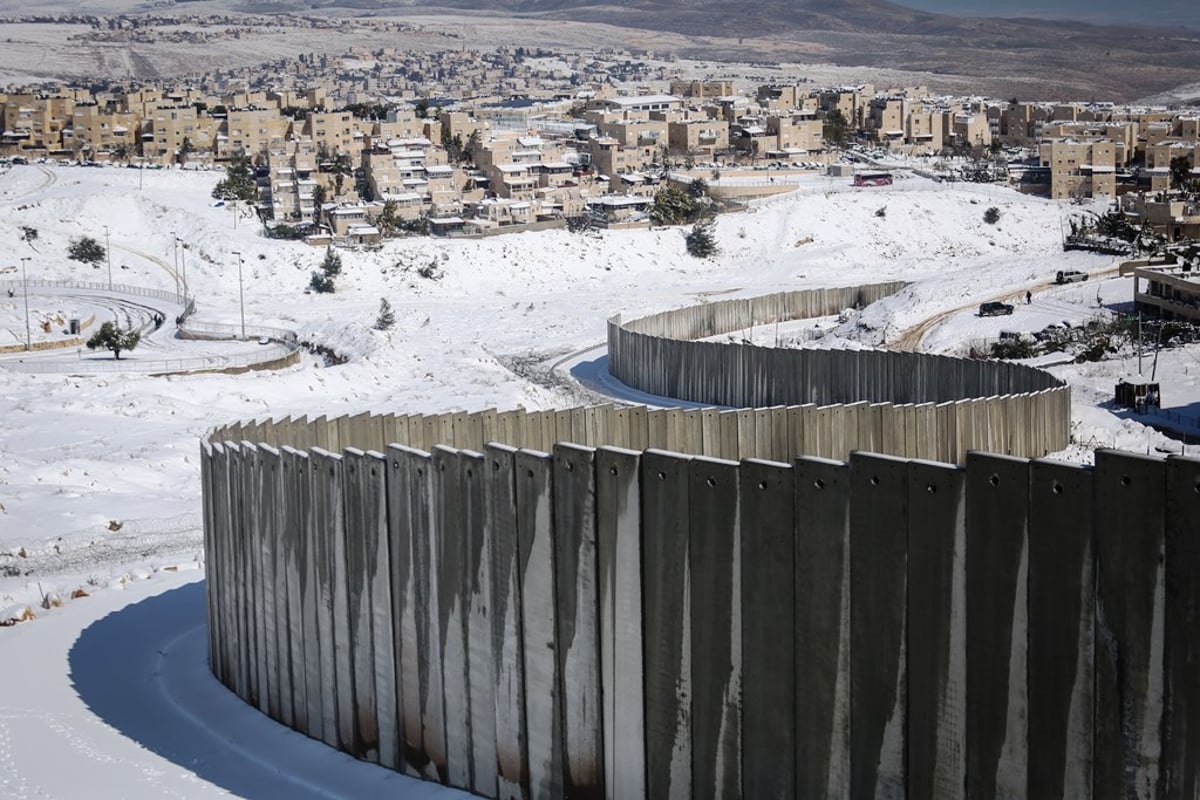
99 483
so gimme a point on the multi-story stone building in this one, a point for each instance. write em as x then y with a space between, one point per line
1080 168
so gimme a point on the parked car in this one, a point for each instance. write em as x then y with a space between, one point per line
1070 276
995 309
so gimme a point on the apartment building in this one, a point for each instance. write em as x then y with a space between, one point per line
697 138
1171 292
334 131
253 131
700 90
796 133
1080 168
645 140
1169 214
171 130
97 130
35 123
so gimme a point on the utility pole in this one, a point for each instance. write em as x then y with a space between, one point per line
108 255
1139 343
241 295
25 283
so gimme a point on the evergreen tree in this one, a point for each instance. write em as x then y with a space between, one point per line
112 338
238 183
332 265
702 241
386 318
835 127
322 279
674 206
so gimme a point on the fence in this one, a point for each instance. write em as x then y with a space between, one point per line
612 623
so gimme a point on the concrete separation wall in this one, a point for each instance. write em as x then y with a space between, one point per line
792 598
1028 409
622 623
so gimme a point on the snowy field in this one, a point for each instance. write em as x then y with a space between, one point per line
99 479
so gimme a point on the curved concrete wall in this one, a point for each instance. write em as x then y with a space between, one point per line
657 354
631 602
622 624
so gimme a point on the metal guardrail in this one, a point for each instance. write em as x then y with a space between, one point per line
284 342
156 367
93 286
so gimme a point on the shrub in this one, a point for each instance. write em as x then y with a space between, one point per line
87 250
321 283
991 216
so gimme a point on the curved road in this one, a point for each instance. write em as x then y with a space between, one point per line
910 339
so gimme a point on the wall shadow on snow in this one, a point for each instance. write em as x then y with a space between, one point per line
143 670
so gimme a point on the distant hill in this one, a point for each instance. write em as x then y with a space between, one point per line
1096 12
912 17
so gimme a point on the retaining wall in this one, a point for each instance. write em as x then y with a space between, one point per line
613 623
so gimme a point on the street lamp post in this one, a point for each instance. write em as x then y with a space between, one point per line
175 256
241 296
108 256
183 263
25 284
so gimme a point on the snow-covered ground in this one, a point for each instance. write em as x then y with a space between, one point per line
99 483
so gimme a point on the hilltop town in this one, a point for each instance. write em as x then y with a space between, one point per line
348 149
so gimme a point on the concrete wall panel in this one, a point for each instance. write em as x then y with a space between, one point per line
363 519
324 524
878 567
1061 624
822 620
452 614
666 625
997 569
619 557
478 601
767 555
1181 722
577 620
1130 523
507 649
543 705
936 627
714 563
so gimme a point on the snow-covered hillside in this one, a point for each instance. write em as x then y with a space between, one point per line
99 475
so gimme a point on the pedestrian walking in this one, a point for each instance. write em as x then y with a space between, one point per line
1028 298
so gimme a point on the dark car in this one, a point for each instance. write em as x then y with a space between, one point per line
995 309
